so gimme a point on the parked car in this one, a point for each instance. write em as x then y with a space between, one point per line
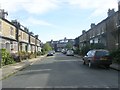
50 53
53 51
70 53
97 57
64 51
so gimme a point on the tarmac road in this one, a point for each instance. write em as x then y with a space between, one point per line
62 71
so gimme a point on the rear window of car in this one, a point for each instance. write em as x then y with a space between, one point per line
70 50
101 53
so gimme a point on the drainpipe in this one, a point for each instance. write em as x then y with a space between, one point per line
35 45
118 34
118 27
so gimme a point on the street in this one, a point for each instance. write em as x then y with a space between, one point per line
62 71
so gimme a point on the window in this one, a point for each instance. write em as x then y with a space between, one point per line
98 31
0 25
11 31
96 40
91 41
12 45
102 53
91 53
93 33
24 36
102 30
21 35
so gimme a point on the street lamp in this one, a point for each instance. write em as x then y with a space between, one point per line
19 48
118 24
118 28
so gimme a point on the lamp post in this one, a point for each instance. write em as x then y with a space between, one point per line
19 48
118 26
118 35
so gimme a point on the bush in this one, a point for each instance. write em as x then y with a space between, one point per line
16 57
97 46
84 50
31 55
77 51
23 55
38 53
116 56
6 58
43 52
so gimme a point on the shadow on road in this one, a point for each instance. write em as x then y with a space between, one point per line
68 72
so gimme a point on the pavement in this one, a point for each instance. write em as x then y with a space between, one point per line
114 66
8 70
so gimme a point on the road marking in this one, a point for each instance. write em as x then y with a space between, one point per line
55 87
67 60
37 70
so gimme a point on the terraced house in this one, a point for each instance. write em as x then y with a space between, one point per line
38 43
32 40
15 37
106 33
8 35
23 38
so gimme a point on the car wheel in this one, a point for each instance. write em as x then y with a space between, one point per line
84 62
108 66
90 64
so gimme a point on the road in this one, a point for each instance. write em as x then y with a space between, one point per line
62 71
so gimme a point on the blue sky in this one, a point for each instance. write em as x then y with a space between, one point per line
56 19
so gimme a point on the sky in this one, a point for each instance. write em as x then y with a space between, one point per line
56 19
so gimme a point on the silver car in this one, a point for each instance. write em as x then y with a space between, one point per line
70 53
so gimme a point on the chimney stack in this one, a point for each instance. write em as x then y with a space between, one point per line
119 5
110 12
3 13
36 36
92 25
16 23
83 31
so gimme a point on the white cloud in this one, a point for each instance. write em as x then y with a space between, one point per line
99 7
11 6
31 6
40 6
36 22
43 6
89 4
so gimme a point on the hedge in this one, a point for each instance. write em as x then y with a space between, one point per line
6 57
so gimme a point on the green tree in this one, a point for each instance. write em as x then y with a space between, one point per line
115 55
46 48
6 57
69 46
84 50
97 46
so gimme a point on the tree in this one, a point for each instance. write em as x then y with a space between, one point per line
47 47
115 55
69 46
6 58
84 50
97 46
